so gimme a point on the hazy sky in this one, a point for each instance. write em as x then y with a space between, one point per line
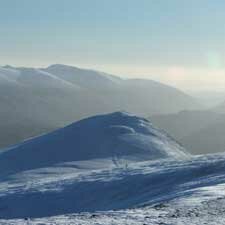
181 42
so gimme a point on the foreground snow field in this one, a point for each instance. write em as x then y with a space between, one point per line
168 215
111 169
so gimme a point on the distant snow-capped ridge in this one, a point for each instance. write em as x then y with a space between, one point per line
34 101
119 136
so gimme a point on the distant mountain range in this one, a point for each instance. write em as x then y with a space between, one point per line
198 131
220 108
34 101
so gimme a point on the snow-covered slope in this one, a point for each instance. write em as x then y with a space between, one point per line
119 136
118 161
158 191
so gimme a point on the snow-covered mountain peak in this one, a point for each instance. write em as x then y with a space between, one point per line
118 136
84 77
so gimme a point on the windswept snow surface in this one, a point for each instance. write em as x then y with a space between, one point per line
110 169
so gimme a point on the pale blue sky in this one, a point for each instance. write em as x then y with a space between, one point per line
159 39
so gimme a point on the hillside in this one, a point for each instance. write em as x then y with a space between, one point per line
106 169
119 136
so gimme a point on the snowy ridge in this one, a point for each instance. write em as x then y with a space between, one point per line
119 136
